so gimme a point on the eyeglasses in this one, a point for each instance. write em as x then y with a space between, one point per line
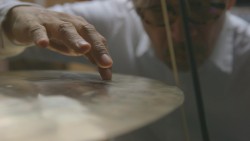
198 13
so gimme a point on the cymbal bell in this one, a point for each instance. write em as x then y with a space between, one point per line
74 106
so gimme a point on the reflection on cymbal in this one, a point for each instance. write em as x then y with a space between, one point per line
71 106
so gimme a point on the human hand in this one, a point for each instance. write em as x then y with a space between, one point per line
59 32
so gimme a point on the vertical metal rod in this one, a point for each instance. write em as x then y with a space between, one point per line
194 72
174 63
170 42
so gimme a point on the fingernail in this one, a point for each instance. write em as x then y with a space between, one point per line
82 43
106 60
83 46
43 43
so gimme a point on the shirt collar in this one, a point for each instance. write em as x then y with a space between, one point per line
144 45
222 53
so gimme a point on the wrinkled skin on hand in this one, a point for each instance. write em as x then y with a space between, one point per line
59 32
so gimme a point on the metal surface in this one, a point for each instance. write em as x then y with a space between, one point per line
73 106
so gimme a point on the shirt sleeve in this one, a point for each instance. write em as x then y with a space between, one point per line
7 47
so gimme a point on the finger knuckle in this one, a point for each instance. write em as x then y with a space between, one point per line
63 27
79 18
88 28
32 29
100 48
103 40
62 14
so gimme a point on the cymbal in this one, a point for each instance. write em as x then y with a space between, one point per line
75 106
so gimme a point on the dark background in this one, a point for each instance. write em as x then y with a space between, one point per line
243 2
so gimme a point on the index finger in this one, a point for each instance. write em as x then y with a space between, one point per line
99 50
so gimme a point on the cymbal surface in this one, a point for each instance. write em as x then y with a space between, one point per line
74 106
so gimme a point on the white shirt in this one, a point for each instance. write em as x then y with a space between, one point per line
225 76
7 47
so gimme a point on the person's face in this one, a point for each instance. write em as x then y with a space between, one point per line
205 18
